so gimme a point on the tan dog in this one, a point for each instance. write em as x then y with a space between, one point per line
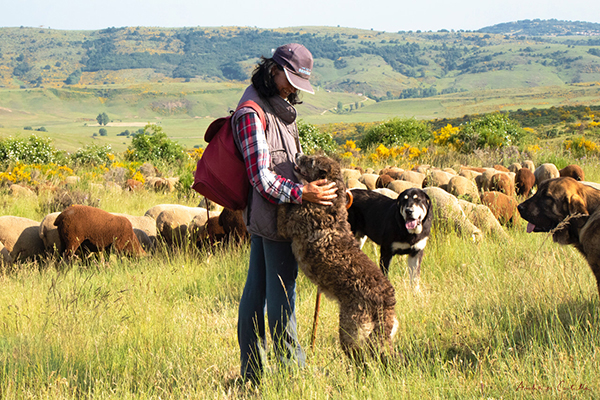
571 211
330 257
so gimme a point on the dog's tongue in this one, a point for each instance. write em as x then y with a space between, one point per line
412 224
530 227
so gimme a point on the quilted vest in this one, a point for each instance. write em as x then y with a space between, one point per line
282 137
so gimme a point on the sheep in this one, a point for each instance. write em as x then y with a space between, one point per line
544 172
400 186
502 206
369 180
394 172
5 258
383 181
387 192
524 182
20 237
78 223
574 171
529 165
460 186
48 232
353 183
437 178
414 177
173 222
18 190
502 183
350 173
144 228
514 167
446 209
483 218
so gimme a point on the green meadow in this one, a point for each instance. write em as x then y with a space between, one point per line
512 318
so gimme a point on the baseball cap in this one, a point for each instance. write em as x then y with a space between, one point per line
297 63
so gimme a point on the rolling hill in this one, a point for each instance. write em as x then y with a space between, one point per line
185 77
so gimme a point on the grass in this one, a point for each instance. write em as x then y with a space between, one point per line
499 319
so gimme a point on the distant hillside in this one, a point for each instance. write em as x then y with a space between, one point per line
381 65
551 27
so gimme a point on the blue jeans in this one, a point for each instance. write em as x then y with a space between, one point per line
271 287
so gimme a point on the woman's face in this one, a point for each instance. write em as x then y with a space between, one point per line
283 85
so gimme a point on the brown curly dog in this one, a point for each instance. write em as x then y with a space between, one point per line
330 257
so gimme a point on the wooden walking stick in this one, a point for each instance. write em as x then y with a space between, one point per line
313 337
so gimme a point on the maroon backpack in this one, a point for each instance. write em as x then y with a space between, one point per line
221 172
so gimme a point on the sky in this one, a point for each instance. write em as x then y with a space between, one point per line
379 15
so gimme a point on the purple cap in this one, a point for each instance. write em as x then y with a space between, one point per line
297 62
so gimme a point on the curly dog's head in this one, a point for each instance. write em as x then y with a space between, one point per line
316 167
312 168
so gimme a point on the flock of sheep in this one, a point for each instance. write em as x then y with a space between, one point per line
472 201
23 239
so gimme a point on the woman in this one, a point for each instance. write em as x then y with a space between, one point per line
269 156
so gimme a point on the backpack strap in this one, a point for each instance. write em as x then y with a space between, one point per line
258 109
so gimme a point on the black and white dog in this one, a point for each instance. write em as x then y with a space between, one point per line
399 226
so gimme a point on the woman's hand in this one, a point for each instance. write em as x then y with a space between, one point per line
320 192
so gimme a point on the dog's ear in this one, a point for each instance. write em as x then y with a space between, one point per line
577 205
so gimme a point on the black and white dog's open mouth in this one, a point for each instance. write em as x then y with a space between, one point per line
412 224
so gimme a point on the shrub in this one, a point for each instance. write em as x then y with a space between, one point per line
396 132
93 154
32 150
102 132
154 145
580 147
491 131
313 140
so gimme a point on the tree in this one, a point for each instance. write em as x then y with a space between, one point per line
102 132
102 119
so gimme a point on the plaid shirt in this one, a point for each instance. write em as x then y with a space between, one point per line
257 156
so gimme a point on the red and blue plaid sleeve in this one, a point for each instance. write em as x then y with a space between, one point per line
255 151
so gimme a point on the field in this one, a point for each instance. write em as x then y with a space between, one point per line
69 116
515 318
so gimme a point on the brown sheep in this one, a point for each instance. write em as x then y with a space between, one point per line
383 181
102 229
524 182
233 225
502 183
502 206
133 185
574 171
20 237
502 168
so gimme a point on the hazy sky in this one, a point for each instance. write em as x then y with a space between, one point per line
380 15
